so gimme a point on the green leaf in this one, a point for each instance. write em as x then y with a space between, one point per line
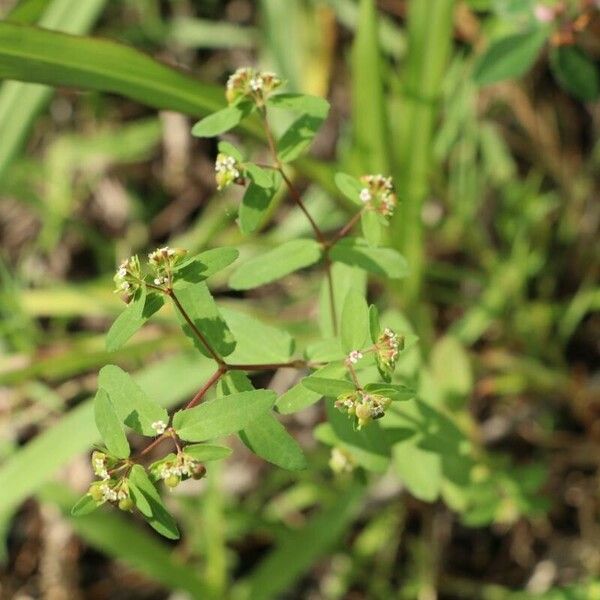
392 391
223 120
227 148
299 396
160 520
325 350
255 206
385 262
140 500
374 323
265 435
575 72
298 137
370 124
260 177
250 334
21 103
344 278
355 322
132 405
275 264
206 452
222 416
84 506
304 103
138 311
371 227
41 56
269 439
328 387
420 470
198 303
349 186
109 426
509 57
204 265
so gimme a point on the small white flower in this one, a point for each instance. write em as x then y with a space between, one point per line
256 83
365 195
122 272
354 356
159 427
108 493
125 285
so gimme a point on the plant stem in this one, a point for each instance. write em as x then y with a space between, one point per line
294 364
153 444
353 375
331 292
279 167
202 391
193 327
346 228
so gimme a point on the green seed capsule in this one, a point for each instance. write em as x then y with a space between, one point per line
96 493
126 504
172 481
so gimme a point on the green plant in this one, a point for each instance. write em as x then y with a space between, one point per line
354 367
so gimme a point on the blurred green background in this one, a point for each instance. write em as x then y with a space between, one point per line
499 223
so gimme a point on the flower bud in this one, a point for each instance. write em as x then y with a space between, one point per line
249 83
162 262
387 349
128 276
238 84
378 194
227 171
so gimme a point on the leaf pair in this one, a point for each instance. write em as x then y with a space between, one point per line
265 435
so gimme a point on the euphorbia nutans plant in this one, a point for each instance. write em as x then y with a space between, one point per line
353 369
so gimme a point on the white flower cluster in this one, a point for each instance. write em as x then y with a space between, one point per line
365 195
160 255
99 465
363 406
127 277
248 83
111 494
227 170
354 356
176 469
181 467
162 261
388 347
379 194
159 427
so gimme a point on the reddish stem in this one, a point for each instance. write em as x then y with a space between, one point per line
202 391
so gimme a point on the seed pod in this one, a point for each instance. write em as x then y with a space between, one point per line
126 504
172 481
198 470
